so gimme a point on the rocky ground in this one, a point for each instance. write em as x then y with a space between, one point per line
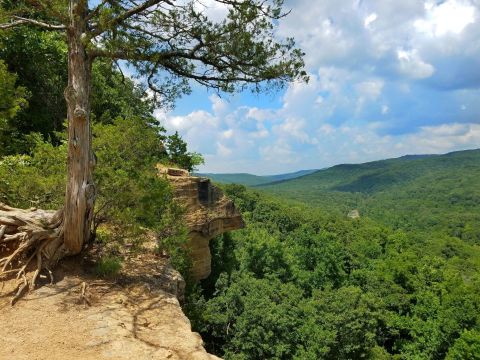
134 316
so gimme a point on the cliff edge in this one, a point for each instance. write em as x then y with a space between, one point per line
136 315
208 213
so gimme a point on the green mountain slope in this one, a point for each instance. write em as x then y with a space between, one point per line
239 178
422 192
253 180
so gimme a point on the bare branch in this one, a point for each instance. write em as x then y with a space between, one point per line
21 21
11 24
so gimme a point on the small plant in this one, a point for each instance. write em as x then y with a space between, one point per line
108 266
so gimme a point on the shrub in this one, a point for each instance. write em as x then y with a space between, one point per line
108 266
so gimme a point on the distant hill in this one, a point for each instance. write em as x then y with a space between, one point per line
420 191
253 180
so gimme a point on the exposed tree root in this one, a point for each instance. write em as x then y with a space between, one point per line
29 239
84 297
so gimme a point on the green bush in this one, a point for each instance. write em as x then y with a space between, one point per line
36 180
108 266
131 198
467 347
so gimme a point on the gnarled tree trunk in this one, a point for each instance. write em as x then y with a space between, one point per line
80 192
44 237
28 236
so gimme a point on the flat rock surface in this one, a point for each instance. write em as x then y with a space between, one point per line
136 316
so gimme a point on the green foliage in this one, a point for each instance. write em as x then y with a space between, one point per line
297 283
131 196
177 151
132 200
226 55
13 99
114 95
179 43
128 187
108 266
467 347
36 180
424 194
39 59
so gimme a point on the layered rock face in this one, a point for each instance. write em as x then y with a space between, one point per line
208 213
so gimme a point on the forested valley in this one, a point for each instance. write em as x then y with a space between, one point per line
306 282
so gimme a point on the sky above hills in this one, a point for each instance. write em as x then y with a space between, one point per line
388 78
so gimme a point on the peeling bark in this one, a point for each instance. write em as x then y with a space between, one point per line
80 192
41 238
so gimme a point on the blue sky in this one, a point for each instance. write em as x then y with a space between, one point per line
388 78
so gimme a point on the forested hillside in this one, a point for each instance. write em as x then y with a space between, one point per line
302 280
418 193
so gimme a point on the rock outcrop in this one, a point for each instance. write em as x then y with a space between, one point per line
135 316
354 214
208 213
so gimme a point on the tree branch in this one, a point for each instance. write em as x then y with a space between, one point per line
21 21
95 11
128 14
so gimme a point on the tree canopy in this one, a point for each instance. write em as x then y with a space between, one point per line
170 42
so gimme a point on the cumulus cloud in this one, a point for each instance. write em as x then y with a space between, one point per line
411 65
446 17
387 78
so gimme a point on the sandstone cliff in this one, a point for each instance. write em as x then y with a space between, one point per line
208 213
135 316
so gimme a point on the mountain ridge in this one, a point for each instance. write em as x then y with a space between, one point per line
440 191
252 179
378 165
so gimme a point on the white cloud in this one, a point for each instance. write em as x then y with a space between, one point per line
228 134
370 89
387 78
193 120
293 128
223 150
260 114
214 10
369 20
219 105
411 65
280 153
449 17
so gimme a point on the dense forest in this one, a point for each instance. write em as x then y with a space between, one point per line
302 282
437 193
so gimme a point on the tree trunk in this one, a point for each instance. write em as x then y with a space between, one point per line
80 192
46 237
